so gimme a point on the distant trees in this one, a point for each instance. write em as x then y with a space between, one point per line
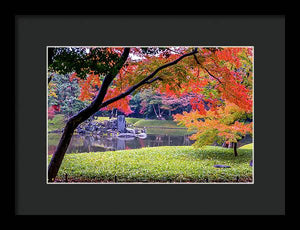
153 104
64 93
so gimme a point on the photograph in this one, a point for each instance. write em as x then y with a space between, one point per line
150 114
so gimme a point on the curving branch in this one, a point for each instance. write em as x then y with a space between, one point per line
146 80
210 74
83 115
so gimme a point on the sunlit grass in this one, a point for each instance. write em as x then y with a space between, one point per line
248 146
168 131
159 164
157 123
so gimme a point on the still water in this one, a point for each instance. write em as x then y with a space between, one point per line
89 143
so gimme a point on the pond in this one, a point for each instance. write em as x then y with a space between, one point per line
93 143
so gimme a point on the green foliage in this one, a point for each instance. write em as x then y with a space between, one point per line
159 164
135 102
209 137
236 116
66 95
82 61
57 123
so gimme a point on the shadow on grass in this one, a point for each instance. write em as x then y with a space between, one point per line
221 154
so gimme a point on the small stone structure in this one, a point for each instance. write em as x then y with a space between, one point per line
121 124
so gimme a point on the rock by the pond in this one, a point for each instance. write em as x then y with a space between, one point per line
222 166
106 127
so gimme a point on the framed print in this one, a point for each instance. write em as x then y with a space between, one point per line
150 114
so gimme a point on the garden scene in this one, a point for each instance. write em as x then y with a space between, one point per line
150 115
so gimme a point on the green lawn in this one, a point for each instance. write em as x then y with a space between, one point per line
158 164
157 123
166 131
132 120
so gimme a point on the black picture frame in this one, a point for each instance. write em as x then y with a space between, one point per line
33 32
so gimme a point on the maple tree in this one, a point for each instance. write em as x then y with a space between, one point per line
224 97
224 124
216 81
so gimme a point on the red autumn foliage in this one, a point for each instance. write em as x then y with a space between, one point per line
52 110
211 80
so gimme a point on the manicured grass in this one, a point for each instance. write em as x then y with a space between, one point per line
132 120
57 123
168 131
248 146
157 123
158 164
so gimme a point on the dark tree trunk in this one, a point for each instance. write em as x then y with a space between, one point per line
235 149
60 151
69 129
83 115
50 78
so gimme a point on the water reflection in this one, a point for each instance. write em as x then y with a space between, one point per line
89 143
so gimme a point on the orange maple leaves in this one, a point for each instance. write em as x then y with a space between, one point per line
90 87
224 122
216 82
